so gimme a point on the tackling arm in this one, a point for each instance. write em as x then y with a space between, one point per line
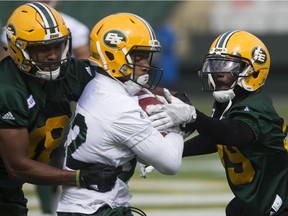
214 131
14 153
199 145
226 131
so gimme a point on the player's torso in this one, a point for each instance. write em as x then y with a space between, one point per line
249 168
103 126
44 110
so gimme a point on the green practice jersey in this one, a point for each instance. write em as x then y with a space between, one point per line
43 110
258 173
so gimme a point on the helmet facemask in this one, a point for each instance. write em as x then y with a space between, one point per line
221 73
149 80
38 40
47 70
134 56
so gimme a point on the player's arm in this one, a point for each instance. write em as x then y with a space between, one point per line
214 131
163 153
226 131
14 153
199 145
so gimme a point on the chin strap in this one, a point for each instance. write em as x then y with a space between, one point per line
133 87
223 97
48 75
227 108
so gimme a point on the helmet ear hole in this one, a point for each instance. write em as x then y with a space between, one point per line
255 74
109 55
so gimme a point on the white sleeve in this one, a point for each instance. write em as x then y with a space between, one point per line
163 153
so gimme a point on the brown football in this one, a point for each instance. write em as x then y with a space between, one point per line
145 99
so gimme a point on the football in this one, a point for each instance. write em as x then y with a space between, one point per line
145 99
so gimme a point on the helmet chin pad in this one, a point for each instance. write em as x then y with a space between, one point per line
133 87
48 75
224 96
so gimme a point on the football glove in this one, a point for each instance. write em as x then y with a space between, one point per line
145 169
99 177
176 112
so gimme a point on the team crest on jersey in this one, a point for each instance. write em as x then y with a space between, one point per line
114 37
259 55
31 102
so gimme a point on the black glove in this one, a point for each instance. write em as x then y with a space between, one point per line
183 97
99 177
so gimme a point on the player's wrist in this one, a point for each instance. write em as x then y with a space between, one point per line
77 178
192 114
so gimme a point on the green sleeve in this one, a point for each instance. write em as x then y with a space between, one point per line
13 108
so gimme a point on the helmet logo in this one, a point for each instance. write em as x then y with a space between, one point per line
259 55
218 50
54 36
113 38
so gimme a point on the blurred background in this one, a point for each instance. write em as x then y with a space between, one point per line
186 30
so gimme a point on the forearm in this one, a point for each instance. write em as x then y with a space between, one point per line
163 153
14 145
199 145
99 177
37 173
226 132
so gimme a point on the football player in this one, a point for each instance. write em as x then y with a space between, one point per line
37 82
109 125
244 127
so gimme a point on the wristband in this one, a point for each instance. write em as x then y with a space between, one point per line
78 178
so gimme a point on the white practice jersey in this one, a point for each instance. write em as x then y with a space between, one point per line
110 127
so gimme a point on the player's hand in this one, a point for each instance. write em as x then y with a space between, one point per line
145 169
159 97
176 112
98 177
